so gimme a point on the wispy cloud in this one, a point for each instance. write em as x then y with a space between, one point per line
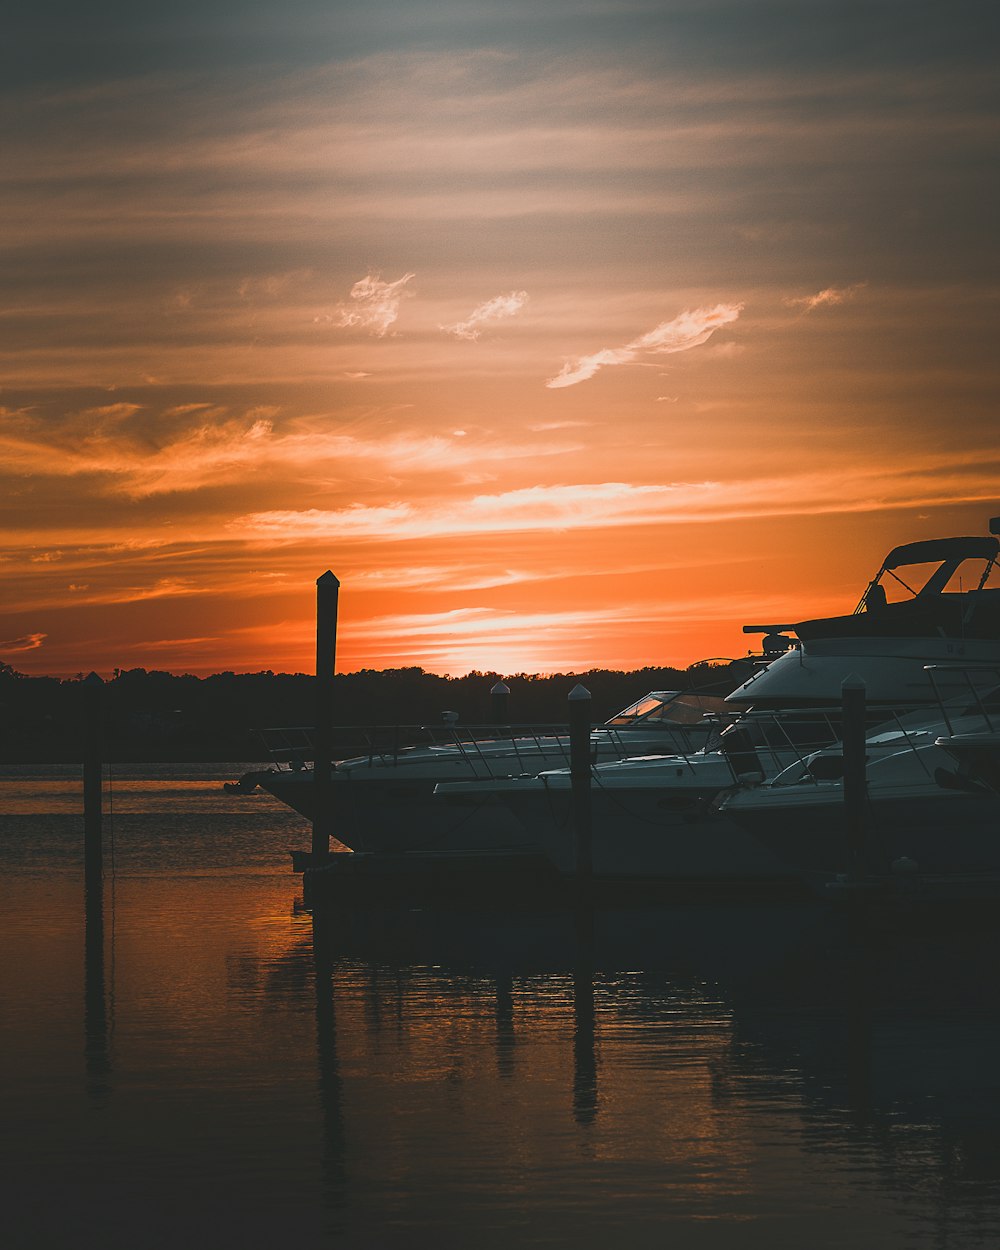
542 427
495 309
688 329
27 642
375 304
558 507
139 460
169 644
600 505
828 296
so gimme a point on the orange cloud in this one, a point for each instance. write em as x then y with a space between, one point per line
614 504
27 642
237 448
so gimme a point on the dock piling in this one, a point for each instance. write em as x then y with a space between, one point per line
853 708
327 596
500 699
579 760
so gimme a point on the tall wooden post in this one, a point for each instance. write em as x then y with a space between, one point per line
93 769
327 595
499 700
853 707
579 764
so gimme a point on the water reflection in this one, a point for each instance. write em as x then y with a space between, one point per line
584 1054
718 1076
335 1177
95 1014
505 1025
718 1023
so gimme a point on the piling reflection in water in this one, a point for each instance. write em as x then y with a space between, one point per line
96 1049
334 1169
584 1057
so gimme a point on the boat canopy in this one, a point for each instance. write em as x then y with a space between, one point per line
934 549
947 554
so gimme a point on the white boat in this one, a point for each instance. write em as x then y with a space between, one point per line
921 819
978 759
663 818
383 800
915 612
975 749
652 818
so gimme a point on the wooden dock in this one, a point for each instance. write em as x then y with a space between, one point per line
443 878
507 880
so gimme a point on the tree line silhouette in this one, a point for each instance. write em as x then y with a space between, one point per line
152 716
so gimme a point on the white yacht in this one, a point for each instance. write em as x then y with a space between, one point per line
978 759
931 602
921 815
667 817
976 749
383 800
652 818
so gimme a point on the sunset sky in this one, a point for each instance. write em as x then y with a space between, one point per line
567 333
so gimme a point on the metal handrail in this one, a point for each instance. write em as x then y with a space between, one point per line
482 745
976 692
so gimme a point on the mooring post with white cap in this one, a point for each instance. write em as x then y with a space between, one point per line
327 595
499 699
579 765
853 716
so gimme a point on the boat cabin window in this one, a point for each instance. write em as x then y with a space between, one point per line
785 733
637 711
670 708
988 701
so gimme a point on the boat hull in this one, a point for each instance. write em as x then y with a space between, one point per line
933 830
654 833
400 815
386 802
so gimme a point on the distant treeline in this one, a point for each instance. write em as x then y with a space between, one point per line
152 715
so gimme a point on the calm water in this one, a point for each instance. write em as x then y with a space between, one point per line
238 1074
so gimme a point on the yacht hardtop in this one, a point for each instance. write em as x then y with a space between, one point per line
930 601
936 586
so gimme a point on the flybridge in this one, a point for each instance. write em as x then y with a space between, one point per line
934 601
948 553
926 606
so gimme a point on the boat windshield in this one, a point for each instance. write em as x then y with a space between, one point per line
670 707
